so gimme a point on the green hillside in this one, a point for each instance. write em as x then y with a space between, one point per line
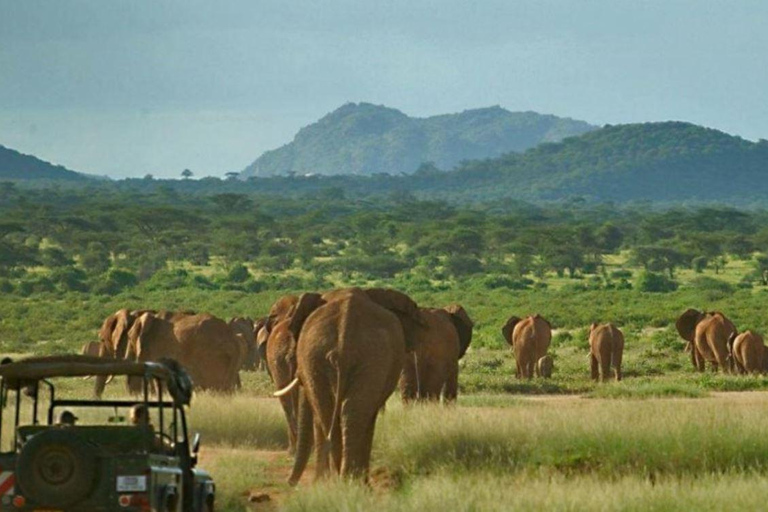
366 139
667 161
18 166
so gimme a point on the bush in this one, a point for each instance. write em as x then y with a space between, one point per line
168 280
711 288
115 281
70 279
6 286
621 274
238 274
459 265
496 281
655 283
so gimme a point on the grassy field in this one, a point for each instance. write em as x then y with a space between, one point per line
665 438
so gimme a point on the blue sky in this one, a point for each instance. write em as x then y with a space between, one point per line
126 88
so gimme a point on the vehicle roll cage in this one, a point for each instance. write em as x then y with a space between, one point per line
26 376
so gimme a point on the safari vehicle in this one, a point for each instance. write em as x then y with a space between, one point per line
109 463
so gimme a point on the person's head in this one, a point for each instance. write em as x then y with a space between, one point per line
67 418
139 415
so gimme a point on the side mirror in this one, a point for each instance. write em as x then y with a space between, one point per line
196 444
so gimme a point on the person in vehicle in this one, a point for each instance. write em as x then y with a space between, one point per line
67 419
140 416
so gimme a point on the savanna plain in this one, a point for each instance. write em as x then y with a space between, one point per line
664 438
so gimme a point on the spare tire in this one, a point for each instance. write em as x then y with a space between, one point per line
56 468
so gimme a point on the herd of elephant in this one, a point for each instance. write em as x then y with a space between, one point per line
336 357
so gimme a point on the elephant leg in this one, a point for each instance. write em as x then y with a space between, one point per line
336 448
322 453
290 417
452 385
699 359
304 440
368 447
356 429
408 381
594 367
528 369
722 361
518 368
605 368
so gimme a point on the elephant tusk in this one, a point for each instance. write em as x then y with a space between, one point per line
109 379
88 377
287 389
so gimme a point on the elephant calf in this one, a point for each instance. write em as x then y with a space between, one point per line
606 347
545 365
432 369
530 339
749 352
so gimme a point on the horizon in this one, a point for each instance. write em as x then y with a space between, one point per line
141 88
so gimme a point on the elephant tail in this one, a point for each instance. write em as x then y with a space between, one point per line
333 359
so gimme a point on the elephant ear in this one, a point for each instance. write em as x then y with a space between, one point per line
105 332
306 304
282 308
463 325
404 307
686 324
123 324
506 331
539 317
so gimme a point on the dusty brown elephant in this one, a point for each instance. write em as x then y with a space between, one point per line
262 335
205 345
529 338
432 369
545 366
281 361
606 348
350 351
113 336
750 354
245 327
92 348
276 343
708 334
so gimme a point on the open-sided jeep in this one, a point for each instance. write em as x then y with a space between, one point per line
102 461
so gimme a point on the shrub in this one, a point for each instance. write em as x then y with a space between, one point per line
459 265
168 280
6 286
70 279
115 281
238 274
496 281
655 283
621 274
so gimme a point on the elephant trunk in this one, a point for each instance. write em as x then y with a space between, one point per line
304 441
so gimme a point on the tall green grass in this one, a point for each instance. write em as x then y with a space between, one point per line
491 492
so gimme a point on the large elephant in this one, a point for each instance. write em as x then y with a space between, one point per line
350 350
244 328
750 354
606 348
707 334
432 369
530 338
113 337
261 336
278 348
205 345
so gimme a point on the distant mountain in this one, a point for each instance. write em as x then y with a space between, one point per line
665 162
365 139
668 161
18 166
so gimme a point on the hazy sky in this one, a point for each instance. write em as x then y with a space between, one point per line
126 88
